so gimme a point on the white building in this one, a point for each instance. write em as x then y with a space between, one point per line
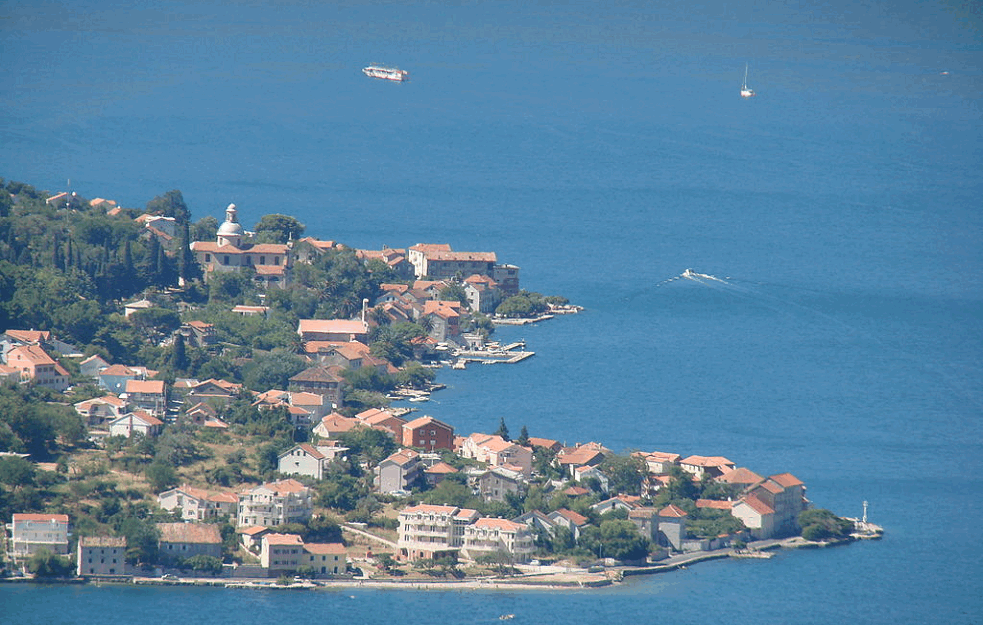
196 504
138 422
427 530
275 503
491 536
310 460
31 533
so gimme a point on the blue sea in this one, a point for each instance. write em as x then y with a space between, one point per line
603 147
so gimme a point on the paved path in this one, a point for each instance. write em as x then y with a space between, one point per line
361 532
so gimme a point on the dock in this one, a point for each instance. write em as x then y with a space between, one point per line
508 354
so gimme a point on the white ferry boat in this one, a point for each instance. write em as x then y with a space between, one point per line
386 73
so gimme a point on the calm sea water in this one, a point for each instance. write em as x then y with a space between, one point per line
604 150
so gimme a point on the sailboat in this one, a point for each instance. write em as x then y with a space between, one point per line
746 92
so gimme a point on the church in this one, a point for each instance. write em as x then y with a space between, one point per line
233 250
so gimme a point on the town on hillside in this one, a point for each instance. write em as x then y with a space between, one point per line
197 399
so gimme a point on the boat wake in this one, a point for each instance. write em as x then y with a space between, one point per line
689 274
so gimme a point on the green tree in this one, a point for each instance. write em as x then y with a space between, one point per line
503 430
454 293
202 563
340 491
681 485
142 538
624 473
415 375
16 471
161 476
615 539
171 204
276 228
820 524
205 229
155 322
369 445
46 564
453 490
230 287
179 355
523 437
273 370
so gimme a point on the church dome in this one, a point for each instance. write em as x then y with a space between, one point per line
231 226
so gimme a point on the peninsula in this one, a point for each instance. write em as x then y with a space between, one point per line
186 400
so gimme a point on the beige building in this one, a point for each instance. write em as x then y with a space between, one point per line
287 553
101 555
180 541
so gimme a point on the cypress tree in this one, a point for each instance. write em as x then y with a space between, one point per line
56 258
180 355
503 430
127 258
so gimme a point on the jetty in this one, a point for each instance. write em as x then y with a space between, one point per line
494 354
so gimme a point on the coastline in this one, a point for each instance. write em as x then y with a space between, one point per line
552 580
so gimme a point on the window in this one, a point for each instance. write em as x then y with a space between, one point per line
276 260
262 260
208 258
226 260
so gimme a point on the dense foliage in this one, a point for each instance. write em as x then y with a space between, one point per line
821 524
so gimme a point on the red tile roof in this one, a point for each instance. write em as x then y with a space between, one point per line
714 504
787 480
27 516
740 475
499 524
441 468
326 549
673 511
154 387
757 505
573 517
196 533
283 539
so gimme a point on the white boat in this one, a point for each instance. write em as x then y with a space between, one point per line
386 73
746 92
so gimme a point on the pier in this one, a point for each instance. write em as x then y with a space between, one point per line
507 355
